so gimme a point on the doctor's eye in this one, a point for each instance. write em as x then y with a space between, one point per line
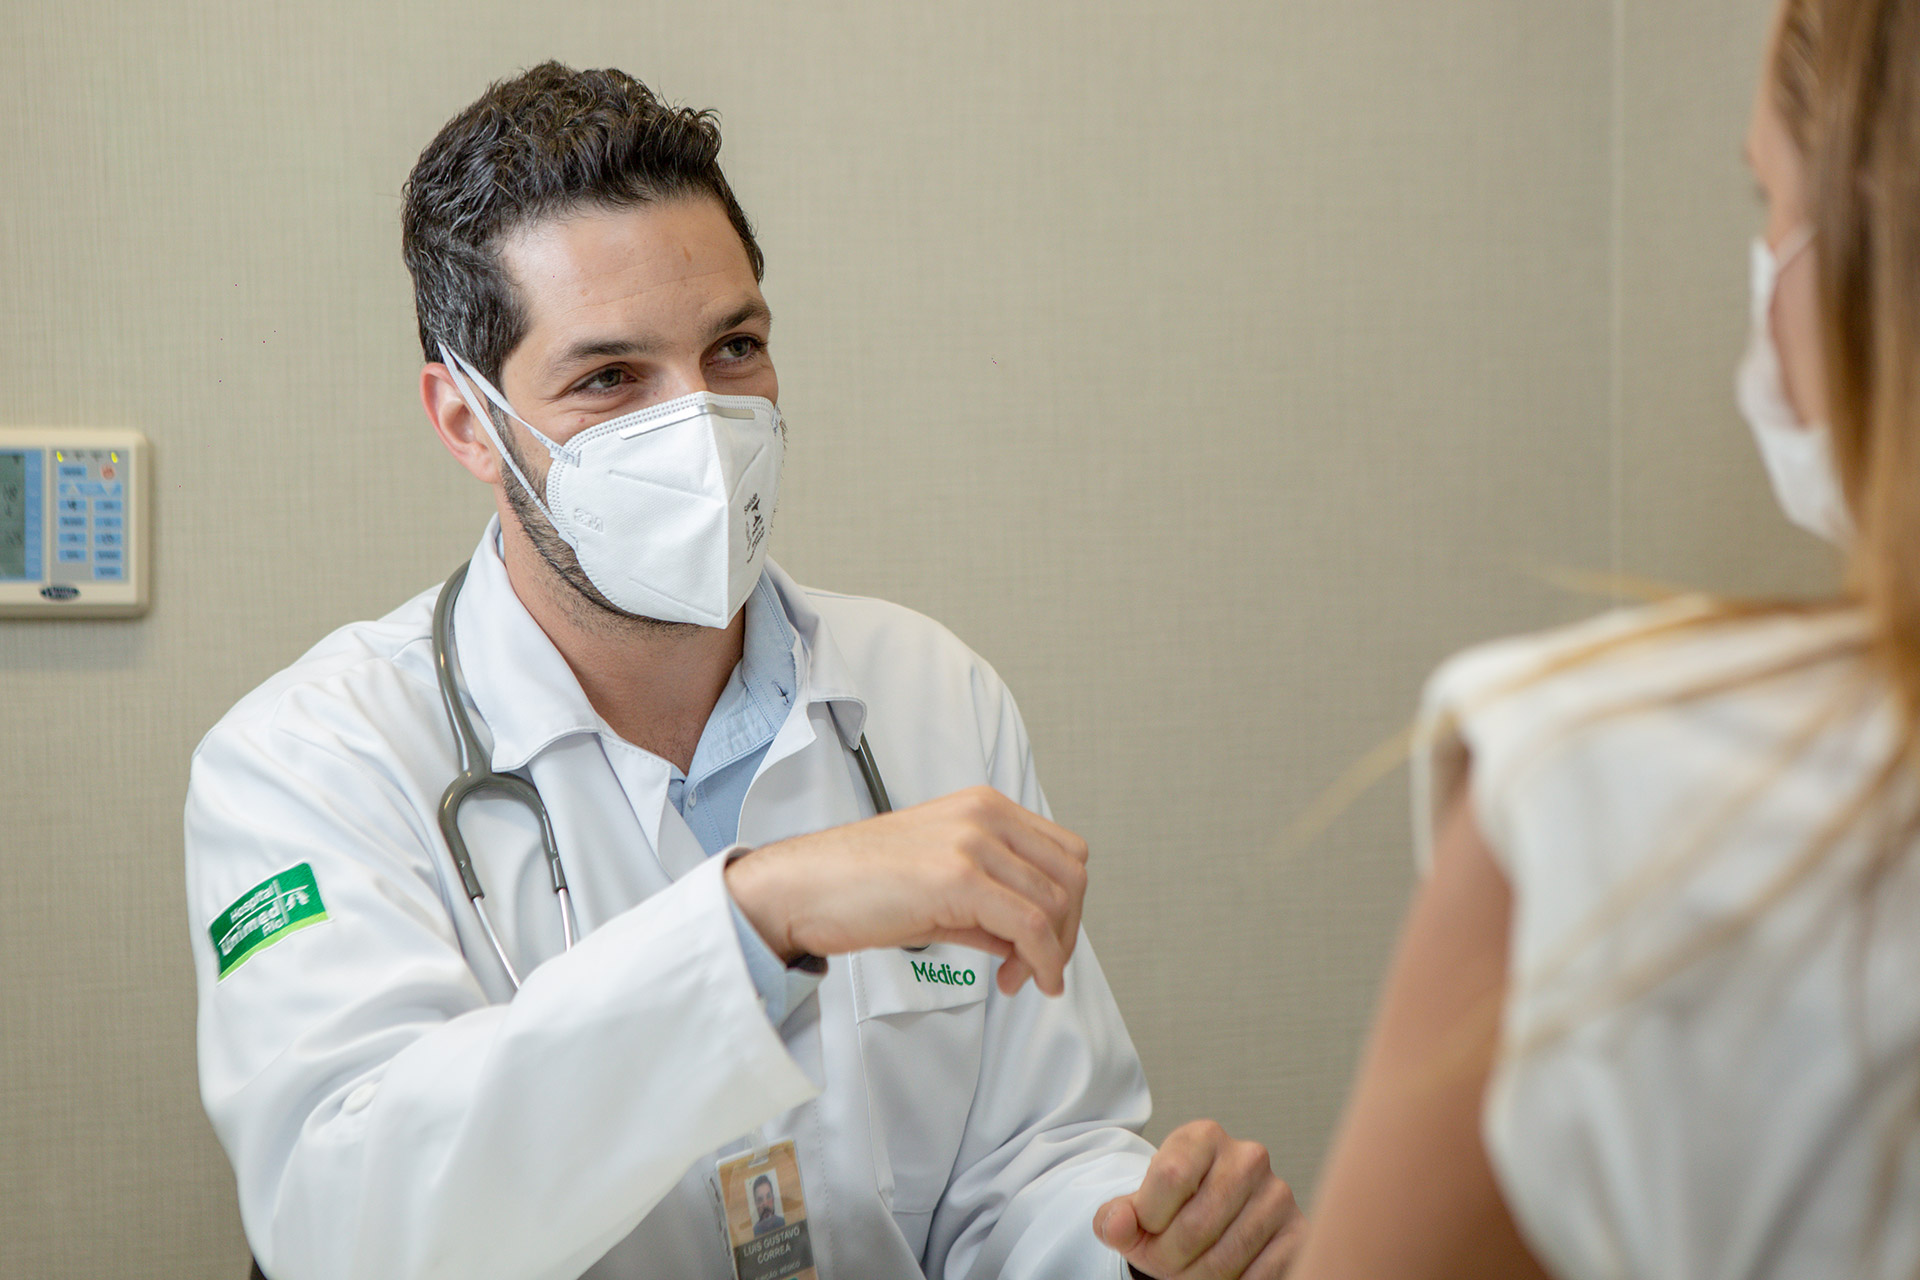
608 379
741 347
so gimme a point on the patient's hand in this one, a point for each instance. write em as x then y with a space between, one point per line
1210 1208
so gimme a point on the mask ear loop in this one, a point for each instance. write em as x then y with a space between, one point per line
1769 265
456 364
1792 247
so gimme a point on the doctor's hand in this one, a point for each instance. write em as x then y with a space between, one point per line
1210 1208
972 868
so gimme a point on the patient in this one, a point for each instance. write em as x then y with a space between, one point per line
1656 1010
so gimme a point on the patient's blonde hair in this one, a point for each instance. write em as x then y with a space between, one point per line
1848 77
1845 80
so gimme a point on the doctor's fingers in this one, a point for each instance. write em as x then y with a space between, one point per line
1011 974
980 829
1012 970
1282 1251
1057 890
983 902
997 812
1068 842
1055 852
1239 1243
1200 1169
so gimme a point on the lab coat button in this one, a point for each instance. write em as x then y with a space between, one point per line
357 1100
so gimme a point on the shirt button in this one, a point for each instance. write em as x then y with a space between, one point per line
693 799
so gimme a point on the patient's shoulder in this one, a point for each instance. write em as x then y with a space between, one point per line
1664 705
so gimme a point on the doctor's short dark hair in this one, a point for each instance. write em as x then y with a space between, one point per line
543 144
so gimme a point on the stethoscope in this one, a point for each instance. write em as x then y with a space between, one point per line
476 777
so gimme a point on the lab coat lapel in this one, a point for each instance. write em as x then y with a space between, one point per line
807 789
807 782
603 844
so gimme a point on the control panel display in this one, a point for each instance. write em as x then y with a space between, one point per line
15 515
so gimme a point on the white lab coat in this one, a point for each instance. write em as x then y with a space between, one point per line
393 1110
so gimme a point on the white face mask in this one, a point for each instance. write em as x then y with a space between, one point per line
1799 457
667 508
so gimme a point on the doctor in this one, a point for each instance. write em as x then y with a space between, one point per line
892 1016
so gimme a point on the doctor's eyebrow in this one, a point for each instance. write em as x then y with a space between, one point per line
743 314
588 349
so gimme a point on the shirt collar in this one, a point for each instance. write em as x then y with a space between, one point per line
528 698
760 691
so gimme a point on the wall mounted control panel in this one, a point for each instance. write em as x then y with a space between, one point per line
73 522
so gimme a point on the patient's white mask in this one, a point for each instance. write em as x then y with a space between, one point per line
667 508
1798 456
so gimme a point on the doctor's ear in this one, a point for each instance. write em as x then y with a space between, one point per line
464 435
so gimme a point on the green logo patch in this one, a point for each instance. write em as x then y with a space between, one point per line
265 914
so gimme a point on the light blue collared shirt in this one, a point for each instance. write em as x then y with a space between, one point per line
709 794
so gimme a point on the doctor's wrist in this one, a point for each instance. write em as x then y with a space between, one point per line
755 898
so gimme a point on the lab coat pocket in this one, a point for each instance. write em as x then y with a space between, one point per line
921 1016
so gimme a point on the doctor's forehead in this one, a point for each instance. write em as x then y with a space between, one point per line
662 265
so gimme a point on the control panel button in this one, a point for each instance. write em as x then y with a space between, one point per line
106 539
108 506
69 555
107 522
109 573
108 555
73 522
71 506
70 538
73 471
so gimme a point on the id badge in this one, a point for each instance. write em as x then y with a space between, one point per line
766 1214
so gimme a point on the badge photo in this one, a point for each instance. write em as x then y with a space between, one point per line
766 1212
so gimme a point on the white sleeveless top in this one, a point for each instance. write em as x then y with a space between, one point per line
1734 1120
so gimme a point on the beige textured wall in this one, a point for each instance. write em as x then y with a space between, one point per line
1214 369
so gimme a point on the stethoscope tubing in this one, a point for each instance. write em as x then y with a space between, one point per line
476 778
